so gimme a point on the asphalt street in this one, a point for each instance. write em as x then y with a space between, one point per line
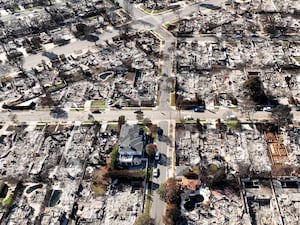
154 115
163 165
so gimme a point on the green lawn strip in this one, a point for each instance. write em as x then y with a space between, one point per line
173 99
56 86
146 108
148 202
233 107
297 58
88 122
145 10
157 11
97 108
157 98
91 18
113 158
112 126
166 25
98 103
39 127
76 109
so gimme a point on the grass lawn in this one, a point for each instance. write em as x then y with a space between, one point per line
98 190
146 10
98 103
157 99
297 58
39 127
232 123
7 201
91 18
88 122
233 107
172 99
112 126
6 79
166 25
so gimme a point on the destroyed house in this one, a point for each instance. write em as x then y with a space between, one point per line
131 145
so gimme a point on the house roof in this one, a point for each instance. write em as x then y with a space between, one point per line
131 140
190 184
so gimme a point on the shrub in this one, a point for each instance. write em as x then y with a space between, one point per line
114 157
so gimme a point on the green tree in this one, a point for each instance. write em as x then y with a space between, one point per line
151 150
144 219
169 192
121 121
281 115
114 156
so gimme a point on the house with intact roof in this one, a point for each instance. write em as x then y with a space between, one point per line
131 145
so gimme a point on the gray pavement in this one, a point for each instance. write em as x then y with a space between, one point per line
157 209
154 115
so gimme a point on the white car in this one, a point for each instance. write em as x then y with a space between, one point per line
231 117
267 109
155 172
189 117
157 156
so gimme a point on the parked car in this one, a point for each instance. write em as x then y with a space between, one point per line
96 111
156 172
199 109
157 156
231 117
109 102
267 109
189 117
117 106
138 111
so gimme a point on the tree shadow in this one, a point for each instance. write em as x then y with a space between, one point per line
58 113
155 186
91 38
165 139
164 160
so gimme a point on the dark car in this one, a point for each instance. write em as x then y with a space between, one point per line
50 55
138 111
96 111
198 109
117 106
